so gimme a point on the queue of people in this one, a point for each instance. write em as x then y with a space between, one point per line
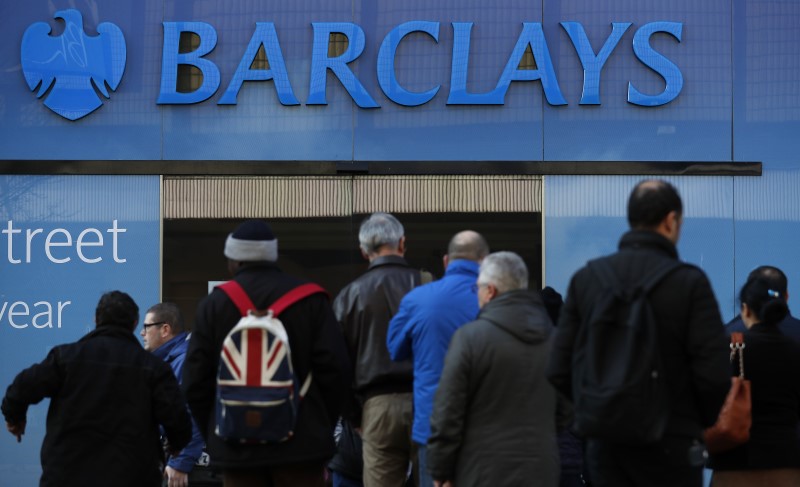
469 380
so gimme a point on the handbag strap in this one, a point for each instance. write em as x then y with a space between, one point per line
737 347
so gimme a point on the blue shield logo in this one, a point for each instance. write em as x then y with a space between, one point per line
77 66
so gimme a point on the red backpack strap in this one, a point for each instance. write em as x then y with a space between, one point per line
239 297
295 295
242 301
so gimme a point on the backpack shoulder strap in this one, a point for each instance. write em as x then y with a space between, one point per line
660 273
242 301
300 292
238 295
602 268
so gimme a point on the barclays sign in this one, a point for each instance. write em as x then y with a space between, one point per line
74 60
532 36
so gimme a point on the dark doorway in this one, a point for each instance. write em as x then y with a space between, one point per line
325 250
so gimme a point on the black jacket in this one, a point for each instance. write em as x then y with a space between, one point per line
772 364
691 335
364 308
108 396
494 414
316 345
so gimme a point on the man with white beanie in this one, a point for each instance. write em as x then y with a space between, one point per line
317 347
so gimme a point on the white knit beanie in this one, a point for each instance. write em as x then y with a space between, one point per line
252 241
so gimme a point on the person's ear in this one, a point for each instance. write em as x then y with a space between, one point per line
491 289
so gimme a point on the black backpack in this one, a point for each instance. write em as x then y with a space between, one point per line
618 381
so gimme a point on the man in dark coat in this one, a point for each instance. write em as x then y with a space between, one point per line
691 340
316 346
382 406
494 413
107 398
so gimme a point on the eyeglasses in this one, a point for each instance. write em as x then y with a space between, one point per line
146 325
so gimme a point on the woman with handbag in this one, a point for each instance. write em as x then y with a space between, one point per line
771 362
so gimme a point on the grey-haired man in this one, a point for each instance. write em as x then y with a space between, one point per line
384 404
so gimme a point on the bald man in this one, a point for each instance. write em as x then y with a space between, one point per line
427 318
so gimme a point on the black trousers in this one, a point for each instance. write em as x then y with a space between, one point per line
671 462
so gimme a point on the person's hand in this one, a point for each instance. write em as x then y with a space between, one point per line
16 429
446 483
176 477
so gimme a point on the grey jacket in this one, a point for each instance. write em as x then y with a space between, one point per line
494 415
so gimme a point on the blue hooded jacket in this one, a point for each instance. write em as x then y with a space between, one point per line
422 329
174 352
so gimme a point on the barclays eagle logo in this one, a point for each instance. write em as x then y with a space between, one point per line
77 63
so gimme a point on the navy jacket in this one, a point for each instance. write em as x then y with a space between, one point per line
173 352
789 326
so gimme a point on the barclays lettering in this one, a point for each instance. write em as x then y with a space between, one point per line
71 70
532 36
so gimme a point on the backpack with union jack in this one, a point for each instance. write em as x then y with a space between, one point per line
258 392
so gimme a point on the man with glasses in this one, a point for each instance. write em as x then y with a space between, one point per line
163 334
427 318
494 417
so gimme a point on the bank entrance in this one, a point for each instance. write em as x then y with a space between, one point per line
316 221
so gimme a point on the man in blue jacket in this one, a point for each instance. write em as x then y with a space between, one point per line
163 334
427 318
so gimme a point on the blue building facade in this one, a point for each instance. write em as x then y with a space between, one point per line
703 94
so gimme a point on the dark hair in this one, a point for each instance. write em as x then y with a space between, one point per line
767 303
117 308
650 202
552 303
168 313
772 276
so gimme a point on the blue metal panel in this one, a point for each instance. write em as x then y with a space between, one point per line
48 294
766 90
258 127
436 131
695 126
127 126
585 217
